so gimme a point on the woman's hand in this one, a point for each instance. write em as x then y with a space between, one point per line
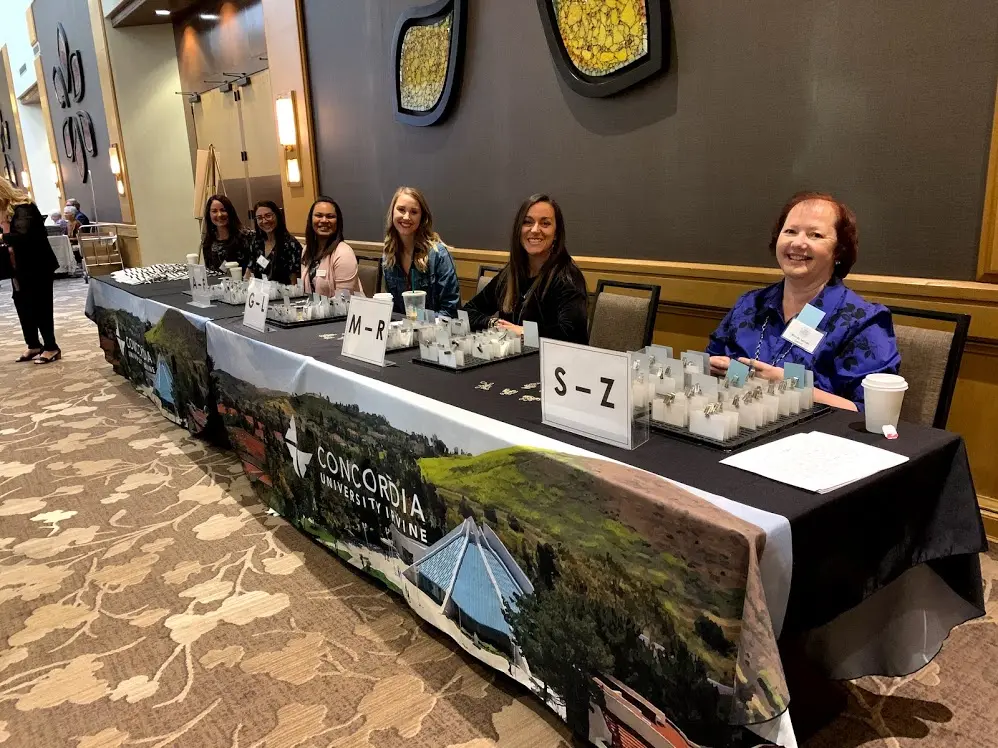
504 325
719 365
766 371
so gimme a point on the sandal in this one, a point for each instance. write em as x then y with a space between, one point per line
43 359
31 355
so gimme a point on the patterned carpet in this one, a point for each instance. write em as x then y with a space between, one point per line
147 599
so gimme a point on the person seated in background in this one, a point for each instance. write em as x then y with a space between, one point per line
816 244
71 217
541 281
273 253
223 238
59 222
80 215
415 258
328 264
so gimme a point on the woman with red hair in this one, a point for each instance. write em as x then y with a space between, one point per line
816 244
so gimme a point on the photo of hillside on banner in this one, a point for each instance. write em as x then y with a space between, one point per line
629 605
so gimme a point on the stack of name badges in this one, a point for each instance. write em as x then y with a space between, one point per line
683 395
452 344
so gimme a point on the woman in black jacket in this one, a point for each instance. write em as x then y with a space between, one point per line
32 266
223 238
540 282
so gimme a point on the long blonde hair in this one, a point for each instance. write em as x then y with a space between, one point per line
426 238
9 197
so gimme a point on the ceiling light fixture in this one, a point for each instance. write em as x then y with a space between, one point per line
161 12
208 16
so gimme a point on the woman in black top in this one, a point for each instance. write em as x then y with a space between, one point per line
32 265
223 238
540 282
273 252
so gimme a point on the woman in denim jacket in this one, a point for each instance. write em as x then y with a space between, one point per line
415 258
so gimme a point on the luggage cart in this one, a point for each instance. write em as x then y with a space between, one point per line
99 249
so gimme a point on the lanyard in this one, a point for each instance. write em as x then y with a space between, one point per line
758 348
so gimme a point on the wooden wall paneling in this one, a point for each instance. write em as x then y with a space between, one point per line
43 98
987 259
110 99
289 73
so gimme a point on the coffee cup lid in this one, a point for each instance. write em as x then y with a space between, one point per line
889 382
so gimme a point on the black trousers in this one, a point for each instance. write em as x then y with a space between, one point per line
34 310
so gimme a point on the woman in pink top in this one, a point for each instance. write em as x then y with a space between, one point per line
328 264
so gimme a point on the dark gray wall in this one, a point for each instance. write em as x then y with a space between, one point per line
75 16
7 115
886 104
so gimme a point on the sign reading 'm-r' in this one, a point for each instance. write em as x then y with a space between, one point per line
367 322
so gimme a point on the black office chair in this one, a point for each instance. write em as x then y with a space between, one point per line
485 274
935 357
370 270
623 321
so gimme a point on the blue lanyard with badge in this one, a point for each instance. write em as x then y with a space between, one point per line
801 332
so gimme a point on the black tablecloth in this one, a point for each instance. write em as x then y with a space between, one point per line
847 544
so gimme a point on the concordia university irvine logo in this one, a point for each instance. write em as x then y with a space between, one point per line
299 459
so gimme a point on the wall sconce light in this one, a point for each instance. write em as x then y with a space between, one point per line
55 174
287 135
120 185
287 127
115 159
294 171
25 179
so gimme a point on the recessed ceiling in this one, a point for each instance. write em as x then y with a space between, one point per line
143 12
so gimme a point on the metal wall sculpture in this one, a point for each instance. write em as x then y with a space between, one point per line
428 49
79 138
9 169
602 47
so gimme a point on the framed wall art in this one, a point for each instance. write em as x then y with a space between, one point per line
602 47
427 51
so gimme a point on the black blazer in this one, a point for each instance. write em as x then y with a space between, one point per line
33 256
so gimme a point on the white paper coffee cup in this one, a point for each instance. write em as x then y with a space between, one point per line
883 394
234 270
383 297
192 259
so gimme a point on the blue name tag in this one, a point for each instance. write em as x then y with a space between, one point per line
811 316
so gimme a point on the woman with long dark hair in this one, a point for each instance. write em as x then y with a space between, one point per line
541 281
328 264
31 264
273 253
415 258
222 236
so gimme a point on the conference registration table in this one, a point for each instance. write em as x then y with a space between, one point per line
656 586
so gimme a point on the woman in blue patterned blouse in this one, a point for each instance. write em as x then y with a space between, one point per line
815 243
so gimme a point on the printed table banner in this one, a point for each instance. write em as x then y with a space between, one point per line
163 352
633 608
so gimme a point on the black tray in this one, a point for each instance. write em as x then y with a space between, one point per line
746 436
476 363
304 323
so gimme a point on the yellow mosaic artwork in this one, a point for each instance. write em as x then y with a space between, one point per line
423 67
602 36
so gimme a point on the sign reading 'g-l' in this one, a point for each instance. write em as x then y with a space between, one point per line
366 334
257 300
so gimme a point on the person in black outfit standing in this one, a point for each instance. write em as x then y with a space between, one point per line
541 281
32 265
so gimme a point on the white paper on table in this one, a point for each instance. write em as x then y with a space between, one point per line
815 461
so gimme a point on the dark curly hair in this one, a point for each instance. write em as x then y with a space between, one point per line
846 231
